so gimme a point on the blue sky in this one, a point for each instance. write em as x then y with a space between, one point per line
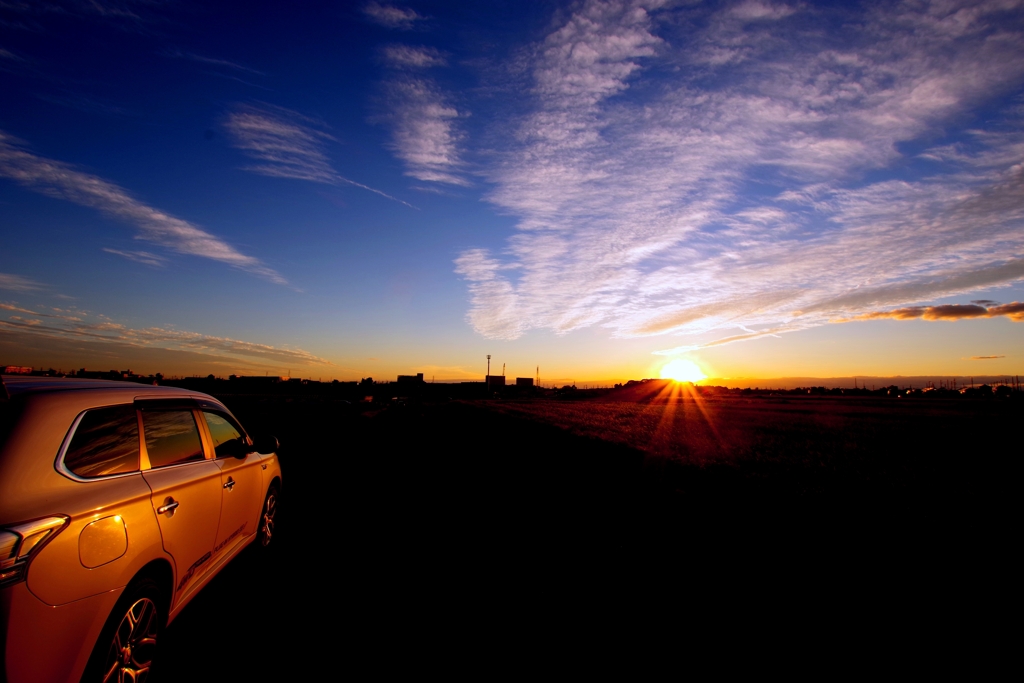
352 189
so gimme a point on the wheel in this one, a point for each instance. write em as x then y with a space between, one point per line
266 533
127 644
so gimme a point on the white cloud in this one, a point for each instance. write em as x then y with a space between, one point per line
57 179
407 57
633 188
144 257
17 283
424 133
287 145
102 331
391 16
753 10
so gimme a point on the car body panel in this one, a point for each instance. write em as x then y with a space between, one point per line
64 601
242 493
56 576
34 627
189 530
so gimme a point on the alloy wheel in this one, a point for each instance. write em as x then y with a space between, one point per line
130 656
267 523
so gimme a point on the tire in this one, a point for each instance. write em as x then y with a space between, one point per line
127 646
268 517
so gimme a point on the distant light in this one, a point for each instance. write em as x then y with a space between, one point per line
682 370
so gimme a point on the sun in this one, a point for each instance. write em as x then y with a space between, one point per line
682 370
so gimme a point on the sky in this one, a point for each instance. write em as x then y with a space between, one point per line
338 190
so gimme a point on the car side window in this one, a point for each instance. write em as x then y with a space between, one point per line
172 437
106 442
227 436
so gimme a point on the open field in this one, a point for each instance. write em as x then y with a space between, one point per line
556 514
820 445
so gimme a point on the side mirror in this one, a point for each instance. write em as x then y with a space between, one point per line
265 444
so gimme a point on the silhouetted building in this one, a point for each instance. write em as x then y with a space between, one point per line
411 379
524 381
495 382
254 379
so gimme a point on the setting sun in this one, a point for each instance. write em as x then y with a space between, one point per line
682 370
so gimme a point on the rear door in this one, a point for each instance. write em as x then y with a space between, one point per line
186 487
241 480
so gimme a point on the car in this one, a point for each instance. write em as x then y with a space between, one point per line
119 502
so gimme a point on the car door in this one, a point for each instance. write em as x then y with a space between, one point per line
241 480
186 488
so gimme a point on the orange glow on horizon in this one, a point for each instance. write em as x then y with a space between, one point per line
682 370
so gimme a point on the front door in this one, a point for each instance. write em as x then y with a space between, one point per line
186 492
241 481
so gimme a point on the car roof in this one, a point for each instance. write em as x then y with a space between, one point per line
22 386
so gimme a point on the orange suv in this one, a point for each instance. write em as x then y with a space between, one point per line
118 503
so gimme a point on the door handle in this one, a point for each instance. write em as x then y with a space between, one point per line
230 485
170 507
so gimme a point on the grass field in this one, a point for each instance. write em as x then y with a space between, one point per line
553 515
816 444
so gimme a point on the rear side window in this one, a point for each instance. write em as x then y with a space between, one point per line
106 442
227 436
171 437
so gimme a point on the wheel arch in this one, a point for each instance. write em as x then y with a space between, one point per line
159 570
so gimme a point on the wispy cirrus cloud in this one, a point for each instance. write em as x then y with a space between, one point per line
213 61
761 169
126 14
287 145
424 124
145 257
408 57
391 16
424 134
63 181
102 331
57 313
89 105
17 283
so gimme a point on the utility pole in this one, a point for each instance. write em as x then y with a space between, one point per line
488 384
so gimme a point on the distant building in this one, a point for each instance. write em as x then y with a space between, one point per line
495 381
255 379
524 381
411 379
105 374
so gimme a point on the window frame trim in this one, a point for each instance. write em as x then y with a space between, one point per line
66 443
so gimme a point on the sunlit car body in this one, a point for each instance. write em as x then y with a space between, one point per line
118 503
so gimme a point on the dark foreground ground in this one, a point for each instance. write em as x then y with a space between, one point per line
426 537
